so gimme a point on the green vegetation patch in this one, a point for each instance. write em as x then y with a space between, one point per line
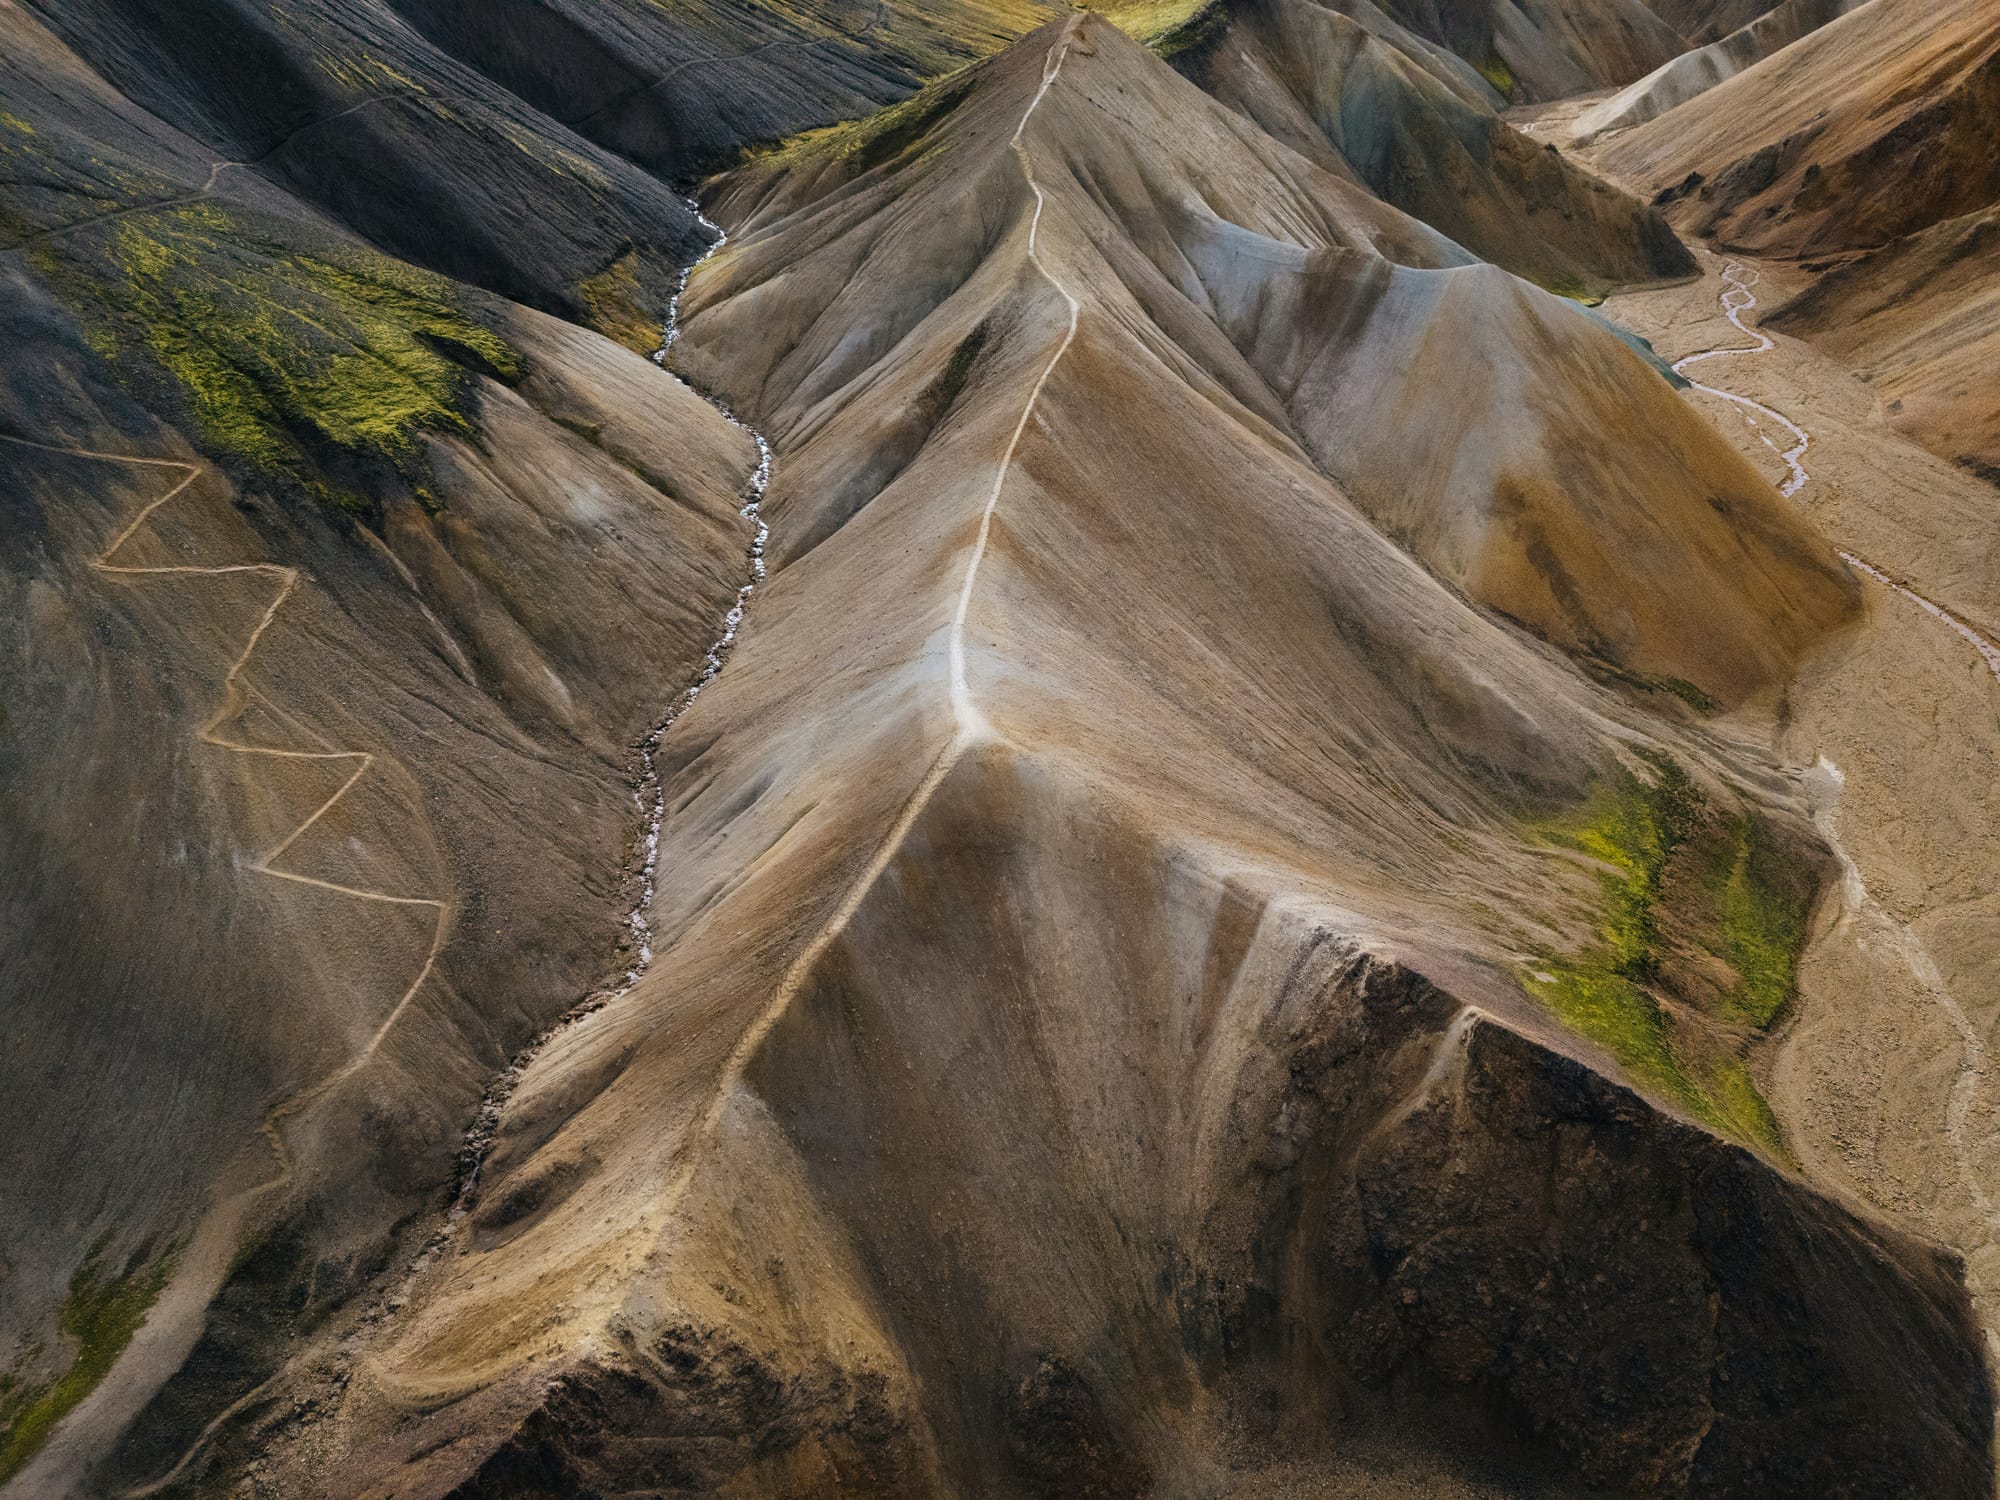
1610 992
863 144
98 1317
1762 921
1496 72
288 362
1575 288
1169 27
618 307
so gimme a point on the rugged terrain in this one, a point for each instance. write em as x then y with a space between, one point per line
1864 149
1154 824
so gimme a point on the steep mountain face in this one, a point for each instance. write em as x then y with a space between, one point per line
1545 49
734 73
286 537
1417 126
522 147
1919 320
1875 126
1694 72
1868 141
1700 22
1073 932
345 108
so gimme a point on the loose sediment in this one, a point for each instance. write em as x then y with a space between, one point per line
649 790
1737 299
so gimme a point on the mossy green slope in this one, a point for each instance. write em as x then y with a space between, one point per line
1683 882
314 365
98 1319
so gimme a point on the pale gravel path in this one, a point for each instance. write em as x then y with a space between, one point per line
175 1321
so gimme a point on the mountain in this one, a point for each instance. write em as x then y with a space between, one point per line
288 541
1693 72
1700 22
1545 49
1866 144
1873 127
1919 319
1064 937
1126 827
1363 97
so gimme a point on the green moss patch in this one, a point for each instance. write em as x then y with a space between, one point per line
98 1319
313 365
1496 72
1169 27
1762 922
617 305
1575 288
860 145
1645 833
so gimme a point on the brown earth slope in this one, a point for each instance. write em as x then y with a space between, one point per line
1089 1042
1693 72
1920 321
1700 22
1537 50
1868 143
1875 126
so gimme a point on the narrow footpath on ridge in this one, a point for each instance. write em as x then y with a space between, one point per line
970 725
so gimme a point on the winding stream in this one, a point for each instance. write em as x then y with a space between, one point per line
1737 299
650 792
1858 904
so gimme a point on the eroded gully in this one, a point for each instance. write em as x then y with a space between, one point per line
650 791
970 728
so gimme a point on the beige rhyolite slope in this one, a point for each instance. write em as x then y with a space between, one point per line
1877 125
1693 72
1883 1075
1086 1052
